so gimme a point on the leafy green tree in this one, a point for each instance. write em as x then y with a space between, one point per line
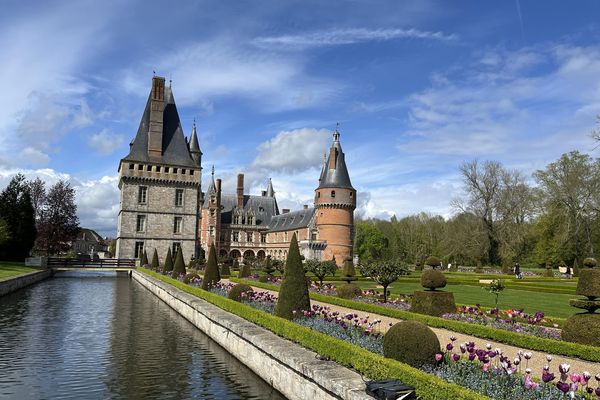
293 295
211 273
278 265
320 269
4 232
384 272
17 212
370 242
496 287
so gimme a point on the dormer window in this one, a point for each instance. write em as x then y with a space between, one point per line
333 194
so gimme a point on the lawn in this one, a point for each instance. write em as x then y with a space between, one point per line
9 269
552 304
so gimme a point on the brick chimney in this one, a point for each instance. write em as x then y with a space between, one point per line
157 106
240 190
218 186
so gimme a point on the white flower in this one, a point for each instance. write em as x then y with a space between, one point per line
488 346
528 370
549 357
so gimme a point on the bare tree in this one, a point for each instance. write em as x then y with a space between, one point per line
37 189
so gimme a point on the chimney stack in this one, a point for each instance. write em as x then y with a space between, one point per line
240 190
218 186
285 211
263 193
306 206
157 106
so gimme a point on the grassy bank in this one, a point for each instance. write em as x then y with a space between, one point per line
10 269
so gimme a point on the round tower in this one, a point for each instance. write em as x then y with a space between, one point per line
335 201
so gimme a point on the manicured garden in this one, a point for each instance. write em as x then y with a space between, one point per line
12 269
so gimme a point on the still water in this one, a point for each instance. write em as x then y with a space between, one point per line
82 336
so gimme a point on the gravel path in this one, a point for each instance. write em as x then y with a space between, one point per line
536 363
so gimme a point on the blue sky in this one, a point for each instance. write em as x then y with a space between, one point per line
417 86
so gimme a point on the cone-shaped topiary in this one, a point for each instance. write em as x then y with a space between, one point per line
348 272
293 295
225 271
432 279
245 271
411 342
236 292
268 268
211 274
154 264
144 259
179 266
432 261
168 265
348 291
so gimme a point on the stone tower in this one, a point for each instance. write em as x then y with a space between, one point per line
159 182
335 201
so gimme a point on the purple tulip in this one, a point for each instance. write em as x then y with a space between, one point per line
564 387
449 346
547 377
597 391
455 357
471 356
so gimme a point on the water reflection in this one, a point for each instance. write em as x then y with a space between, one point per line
99 337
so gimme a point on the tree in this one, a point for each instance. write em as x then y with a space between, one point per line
37 189
268 268
179 266
570 188
320 269
58 224
370 242
293 295
278 265
17 212
154 263
168 265
384 272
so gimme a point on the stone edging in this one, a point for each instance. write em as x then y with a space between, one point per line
12 284
291 369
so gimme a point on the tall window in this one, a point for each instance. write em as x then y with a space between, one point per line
178 197
263 238
249 237
175 249
142 194
213 212
140 225
250 220
236 237
177 224
139 249
333 193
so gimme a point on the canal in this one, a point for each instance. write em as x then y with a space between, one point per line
98 336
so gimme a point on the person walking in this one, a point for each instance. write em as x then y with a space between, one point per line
517 270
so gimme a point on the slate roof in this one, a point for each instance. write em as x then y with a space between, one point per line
338 176
265 208
292 220
89 235
174 147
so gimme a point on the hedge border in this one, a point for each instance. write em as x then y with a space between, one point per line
583 352
372 365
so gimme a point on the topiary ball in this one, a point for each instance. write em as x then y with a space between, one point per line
582 328
432 261
188 278
432 279
411 342
348 291
236 292
590 262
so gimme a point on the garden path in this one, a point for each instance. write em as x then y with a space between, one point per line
536 363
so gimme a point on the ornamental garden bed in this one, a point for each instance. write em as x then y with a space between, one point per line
487 371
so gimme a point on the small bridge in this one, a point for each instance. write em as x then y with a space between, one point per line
107 264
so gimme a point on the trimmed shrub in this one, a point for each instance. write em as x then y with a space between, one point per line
245 271
590 262
436 303
505 268
411 342
418 267
293 295
211 274
348 271
168 265
225 272
236 292
235 266
432 261
188 277
432 279
197 263
348 291
154 264
582 328
144 259
589 283
268 268
479 269
263 278
549 271
179 267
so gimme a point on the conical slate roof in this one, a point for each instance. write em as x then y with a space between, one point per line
334 173
194 145
174 147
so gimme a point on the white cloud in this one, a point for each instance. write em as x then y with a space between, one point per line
336 37
31 156
105 142
294 150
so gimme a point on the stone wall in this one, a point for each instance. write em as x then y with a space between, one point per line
291 369
12 284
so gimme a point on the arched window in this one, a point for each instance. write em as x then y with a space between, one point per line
333 194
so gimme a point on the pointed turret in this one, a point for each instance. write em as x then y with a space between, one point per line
211 187
334 173
270 191
195 146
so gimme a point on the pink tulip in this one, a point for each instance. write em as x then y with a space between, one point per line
438 357
486 367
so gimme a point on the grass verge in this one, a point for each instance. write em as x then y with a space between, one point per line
12 269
